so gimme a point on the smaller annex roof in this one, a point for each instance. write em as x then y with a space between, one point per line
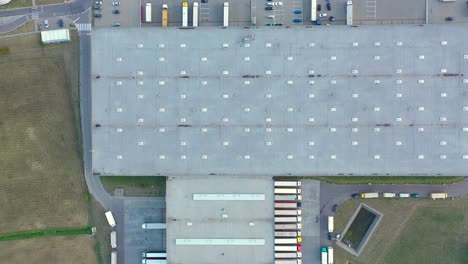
58 35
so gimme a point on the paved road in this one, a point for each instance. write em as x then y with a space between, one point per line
331 194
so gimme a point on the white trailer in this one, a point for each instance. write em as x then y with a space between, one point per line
154 261
113 239
292 205
288 197
288 219
153 226
287 233
279 241
388 195
288 261
154 255
148 18
297 226
330 255
114 257
185 14
404 195
110 218
369 195
288 212
324 256
226 15
313 10
438 196
331 224
285 248
195 14
349 13
287 191
288 255
288 183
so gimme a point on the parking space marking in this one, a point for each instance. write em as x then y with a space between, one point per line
204 14
371 9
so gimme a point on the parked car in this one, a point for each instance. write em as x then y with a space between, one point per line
116 12
46 23
98 15
60 23
269 8
116 24
98 2
277 24
270 16
297 12
449 19
330 236
269 4
318 22
97 7
319 7
334 208
328 6
332 18
323 15
355 195
204 1
414 195
297 20
115 3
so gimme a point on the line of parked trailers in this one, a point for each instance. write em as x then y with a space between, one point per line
433 196
288 222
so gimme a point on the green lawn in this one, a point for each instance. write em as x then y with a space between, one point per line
359 227
17 4
383 179
434 235
46 232
136 185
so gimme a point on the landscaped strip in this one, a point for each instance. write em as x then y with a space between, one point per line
136 185
382 179
46 232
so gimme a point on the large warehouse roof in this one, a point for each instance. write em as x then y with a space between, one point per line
270 101
222 230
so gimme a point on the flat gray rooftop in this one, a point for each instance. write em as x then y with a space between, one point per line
382 100
194 219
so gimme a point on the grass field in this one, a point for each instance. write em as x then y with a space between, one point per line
69 250
102 245
25 3
383 179
27 27
46 232
136 185
411 231
359 227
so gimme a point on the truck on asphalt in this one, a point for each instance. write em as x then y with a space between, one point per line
331 224
154 261
324 255
110 218
148 18
404 195
185 14
164 15
287 190
369 195
195 14
330 255
287 233
291 205
288 183
290 219
286 248
288 197
279 241
296 226
154 255
113 239
388 195
288 212
226 14
114 257
349 13
288 261
438 195
288 255
153 226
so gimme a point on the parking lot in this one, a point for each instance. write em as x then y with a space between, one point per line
136 239
105 14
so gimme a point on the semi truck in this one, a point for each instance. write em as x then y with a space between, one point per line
114 257
288 183
296 226
279 241
296 219
404 195
331 224
148 13
288 197
438 195
113 239
349 13
164 15
287 233
153 226
150 255
154 261
226 14
185 14
110 218
288 255
330 255
324 255
286 248
288 261
291 205
388 195
195 14
369 195
288 212
287 191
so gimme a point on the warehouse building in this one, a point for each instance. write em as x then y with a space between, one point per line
55 36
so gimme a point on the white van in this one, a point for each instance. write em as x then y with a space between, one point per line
46 23
404 195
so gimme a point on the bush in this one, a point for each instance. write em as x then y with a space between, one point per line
4 50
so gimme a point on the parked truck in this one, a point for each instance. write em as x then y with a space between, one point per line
296 219
288 212
288 261
110 218
288 255
195 14
349 13
296 226
324 255
153 226
331 224
114 257
286 248
288 183
226 14
287 190
438 195
185 14
369 195
388 195
287 233
279 241
154 261
330 255
148 17
164 15
288 197
150 255
291 205
113 239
